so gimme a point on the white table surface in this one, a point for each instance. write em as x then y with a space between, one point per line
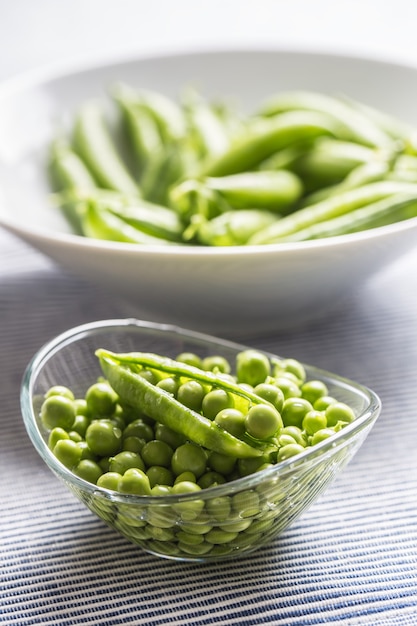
352 559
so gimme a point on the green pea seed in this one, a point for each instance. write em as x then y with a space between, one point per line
263 421
58 411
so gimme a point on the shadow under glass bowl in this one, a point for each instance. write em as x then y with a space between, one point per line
269 500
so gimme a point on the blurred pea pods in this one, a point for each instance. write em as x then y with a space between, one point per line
166 113
381 213
329 161
233 228
141 128
152 219
274 190
94 144
263 137
354 125
370 172
208 132
333 207
101 223
67 169
68 173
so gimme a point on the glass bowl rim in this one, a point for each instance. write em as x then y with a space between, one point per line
316 453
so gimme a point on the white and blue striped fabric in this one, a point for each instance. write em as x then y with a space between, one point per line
350 560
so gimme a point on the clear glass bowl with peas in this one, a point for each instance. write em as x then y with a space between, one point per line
193 448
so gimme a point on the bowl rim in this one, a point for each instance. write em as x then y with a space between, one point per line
314 454
48 73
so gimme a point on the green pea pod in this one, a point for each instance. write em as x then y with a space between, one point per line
272 190
364 174
266 136
162 407
100 223
95 146
153 219
207 130
386 211
164 169
329 161
68 171
388 123
233 228
68 174
341 204
192 198
142 130
287 158
166 113
354 125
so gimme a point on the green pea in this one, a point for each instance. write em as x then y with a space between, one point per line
86 453
339 412
221 463
58 411
252 367
60 390
133 444
125 460
321 435
246 503
210 479
169 436
294 411
231 420
189 538
185 476
216 535
191 394
138 428
67 452
188 509
271 393
157 452
134 481
101 399
216 364
190 359
289 387
149 375
81 408
109 480
103 438
314 421
88 470
323 402
81 423
295 433
249 466
55 435
312 390
219 508
75 436
161 490
159 475
215 401
294 367
291 449
189 457
169 384
263 421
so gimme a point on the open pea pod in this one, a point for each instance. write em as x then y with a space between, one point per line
123 373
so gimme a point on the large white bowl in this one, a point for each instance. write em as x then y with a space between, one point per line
237 289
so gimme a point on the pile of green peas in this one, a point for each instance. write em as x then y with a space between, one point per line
104 440
101 438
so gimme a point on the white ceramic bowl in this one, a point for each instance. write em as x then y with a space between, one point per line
253 289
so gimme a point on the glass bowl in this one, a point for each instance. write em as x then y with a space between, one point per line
259 506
